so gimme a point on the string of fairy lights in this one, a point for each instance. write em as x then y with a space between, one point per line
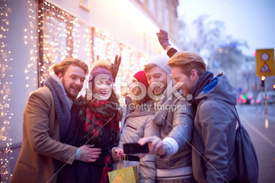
55 28
5 83
31 37
61 37
51 34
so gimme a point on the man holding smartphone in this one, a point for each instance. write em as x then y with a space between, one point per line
174 116
214 98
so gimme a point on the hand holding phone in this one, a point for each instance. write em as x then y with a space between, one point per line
134 148
156 145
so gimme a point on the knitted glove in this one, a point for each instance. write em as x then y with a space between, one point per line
115 67
163 38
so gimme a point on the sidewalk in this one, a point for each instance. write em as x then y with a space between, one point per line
263 139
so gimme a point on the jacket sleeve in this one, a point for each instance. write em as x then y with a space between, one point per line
182 123
37 127
171 52
214 126
147 163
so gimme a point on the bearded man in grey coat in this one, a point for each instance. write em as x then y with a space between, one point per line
174 115
213 100
46 122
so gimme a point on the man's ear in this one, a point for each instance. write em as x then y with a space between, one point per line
194 75
59 75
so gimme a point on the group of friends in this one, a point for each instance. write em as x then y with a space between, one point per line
175 104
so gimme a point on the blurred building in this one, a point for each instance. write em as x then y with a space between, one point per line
247 80
248 83
35 34
164 14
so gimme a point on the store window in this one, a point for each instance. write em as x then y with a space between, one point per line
105 46
62 35
55 37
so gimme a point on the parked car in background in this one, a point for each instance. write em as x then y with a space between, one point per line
270 97
246 98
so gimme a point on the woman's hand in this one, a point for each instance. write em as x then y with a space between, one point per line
119 153
115 66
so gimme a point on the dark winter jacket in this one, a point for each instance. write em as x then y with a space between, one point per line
214 135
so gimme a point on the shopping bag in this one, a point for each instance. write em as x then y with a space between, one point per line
124 175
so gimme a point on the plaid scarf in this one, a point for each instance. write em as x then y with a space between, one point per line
62 109
100 115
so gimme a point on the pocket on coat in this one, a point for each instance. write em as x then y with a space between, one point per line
131 127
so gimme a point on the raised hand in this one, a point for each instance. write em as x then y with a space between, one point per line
115 66
163 39
89 154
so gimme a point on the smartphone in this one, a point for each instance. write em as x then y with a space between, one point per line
133 148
